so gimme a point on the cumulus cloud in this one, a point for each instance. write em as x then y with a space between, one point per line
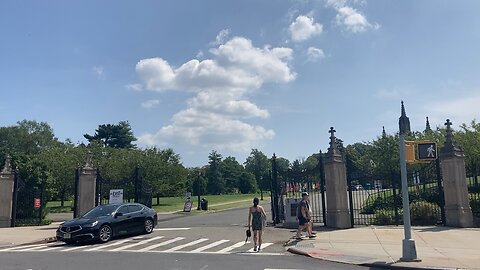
349 18
150 103
99 71
315 54
134 87
221 37
458 110
303 28
217 113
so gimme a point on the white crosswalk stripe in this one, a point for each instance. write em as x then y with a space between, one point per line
157 244
214 244
186 245
137 244
162 244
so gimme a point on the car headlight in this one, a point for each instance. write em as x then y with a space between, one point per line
89 225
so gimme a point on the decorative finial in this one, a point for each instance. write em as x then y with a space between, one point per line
449 148
7 168
427 126
404 122
384 134
333 151
88 160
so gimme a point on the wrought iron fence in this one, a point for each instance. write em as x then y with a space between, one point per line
474 187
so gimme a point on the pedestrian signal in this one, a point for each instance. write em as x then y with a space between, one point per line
427 151
410 152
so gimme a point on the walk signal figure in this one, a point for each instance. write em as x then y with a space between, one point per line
427 151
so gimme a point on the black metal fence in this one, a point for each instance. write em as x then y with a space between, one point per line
28 207
377 199
134 188
474 187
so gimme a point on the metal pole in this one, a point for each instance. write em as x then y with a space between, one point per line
198 190
15 198
322 189
409 252
75 195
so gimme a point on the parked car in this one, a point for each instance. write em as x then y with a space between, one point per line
104 222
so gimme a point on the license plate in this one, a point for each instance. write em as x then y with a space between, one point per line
67 236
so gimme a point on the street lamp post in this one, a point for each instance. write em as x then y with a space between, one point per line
409 252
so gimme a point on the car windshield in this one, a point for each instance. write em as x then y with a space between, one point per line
99 211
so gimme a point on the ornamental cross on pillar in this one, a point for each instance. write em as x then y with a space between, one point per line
333 149
449 148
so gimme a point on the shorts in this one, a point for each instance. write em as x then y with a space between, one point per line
302 221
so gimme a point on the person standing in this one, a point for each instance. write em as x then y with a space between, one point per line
256 218
304 217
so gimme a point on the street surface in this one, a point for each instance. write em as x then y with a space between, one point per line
201 241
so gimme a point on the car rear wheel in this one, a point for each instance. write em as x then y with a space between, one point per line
148 226
105 233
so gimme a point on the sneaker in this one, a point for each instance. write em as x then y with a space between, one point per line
255 248
258 250
312 236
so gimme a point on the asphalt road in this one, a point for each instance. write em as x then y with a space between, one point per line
180 242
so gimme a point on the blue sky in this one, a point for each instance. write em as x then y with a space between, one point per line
235 75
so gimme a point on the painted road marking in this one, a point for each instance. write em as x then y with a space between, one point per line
186 245
172 229
137 244
264 245
21 247
74 248
232 247
161 244
214 244
110 245
32 248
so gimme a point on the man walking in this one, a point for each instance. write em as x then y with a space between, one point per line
304 217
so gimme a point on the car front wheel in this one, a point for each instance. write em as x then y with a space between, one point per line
105 233
148 226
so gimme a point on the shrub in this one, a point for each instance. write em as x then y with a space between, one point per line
475 205
384 217
424 213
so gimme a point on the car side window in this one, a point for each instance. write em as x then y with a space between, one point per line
123 209
134 208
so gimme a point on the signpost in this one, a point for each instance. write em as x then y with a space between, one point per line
37 202
188 202
116 196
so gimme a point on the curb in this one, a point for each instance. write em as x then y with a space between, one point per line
41 241
373 265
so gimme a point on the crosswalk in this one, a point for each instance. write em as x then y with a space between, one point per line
158 244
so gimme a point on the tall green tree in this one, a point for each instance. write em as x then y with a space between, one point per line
258 164
231 171
216 183
115 136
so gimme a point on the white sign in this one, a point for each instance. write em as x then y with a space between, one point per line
188 197
116 196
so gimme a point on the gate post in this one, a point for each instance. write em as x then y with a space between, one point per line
336 183
275 189
7 182
452 162
86 184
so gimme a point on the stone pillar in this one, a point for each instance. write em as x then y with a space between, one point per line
452 163
7 178
87 179
338 215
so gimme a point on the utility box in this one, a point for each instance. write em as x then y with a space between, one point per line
291 205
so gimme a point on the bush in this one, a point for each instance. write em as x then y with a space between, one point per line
475 205
424 213
385 217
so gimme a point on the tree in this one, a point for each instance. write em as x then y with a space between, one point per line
231 170
246 183
216 183
258 164
115 136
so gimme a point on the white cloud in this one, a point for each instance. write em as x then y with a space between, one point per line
99 71
460 110
221 37
303 28
315 54
134 87
217 113
349 18
150 103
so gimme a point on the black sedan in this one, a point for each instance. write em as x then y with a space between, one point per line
104 222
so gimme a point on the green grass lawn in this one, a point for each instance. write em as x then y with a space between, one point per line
172 204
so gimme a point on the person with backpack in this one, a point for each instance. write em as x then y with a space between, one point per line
304 217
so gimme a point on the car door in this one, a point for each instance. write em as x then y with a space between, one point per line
137 214
122 221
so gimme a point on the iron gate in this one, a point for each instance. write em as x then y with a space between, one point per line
377 199
28 202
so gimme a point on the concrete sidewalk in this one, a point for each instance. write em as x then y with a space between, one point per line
437 247
28 234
